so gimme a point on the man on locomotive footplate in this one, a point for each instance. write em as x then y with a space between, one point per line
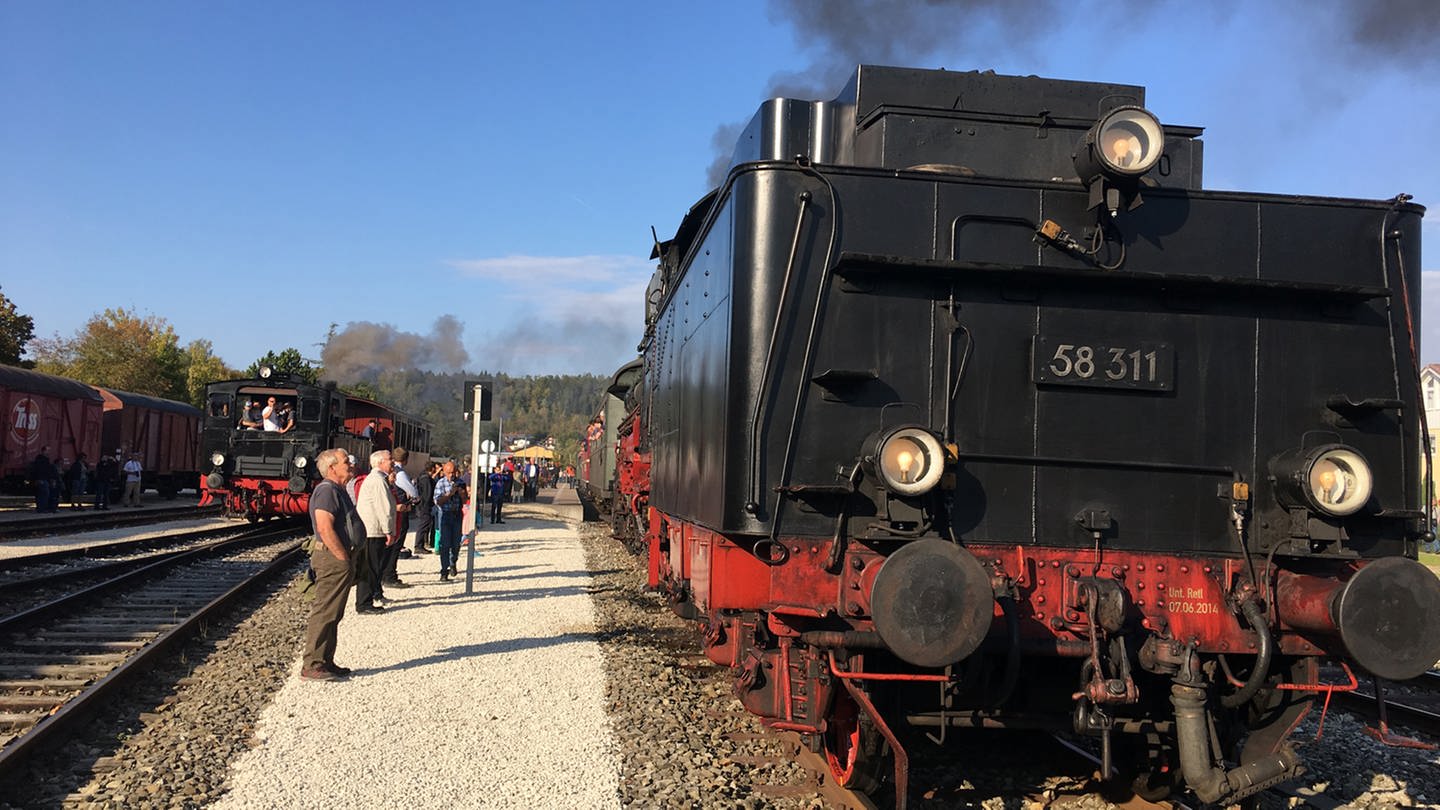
332 520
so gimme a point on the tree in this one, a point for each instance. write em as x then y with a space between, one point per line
288 361
201 368
15 331
121 350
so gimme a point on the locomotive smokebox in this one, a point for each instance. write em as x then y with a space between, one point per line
1384 614
932 603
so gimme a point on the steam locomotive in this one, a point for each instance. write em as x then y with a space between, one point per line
260 473
963 404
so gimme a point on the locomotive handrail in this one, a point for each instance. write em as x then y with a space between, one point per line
1155 466
850 262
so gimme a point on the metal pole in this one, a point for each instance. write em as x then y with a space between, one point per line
468 528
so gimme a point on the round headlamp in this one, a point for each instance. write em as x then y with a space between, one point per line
1333 479
1339 481
909 461
217 458
1128 141
300 462
266 372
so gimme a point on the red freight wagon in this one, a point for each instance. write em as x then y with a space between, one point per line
165 433
42 410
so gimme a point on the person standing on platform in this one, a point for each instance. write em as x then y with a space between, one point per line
422 517
497 479
133 477
450 495
105 474
331 516
376 506
40 475
78 477
406 496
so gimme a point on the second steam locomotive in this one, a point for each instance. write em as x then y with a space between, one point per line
261 466
963 403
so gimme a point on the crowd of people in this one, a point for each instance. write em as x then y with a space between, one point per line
361 523
75 482
273 416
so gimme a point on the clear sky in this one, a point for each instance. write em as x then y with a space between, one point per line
472 185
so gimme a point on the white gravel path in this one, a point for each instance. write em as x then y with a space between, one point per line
490 700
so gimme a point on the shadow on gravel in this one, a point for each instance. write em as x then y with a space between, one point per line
520 594
507 645
546 573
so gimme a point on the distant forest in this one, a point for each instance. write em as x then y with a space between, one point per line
540 407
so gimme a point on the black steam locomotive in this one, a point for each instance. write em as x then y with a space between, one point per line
968 406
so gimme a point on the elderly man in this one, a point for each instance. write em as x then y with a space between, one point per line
331 518
376 505
450 496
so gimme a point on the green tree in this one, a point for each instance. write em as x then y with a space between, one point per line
288 361
201 368
15 331
120 349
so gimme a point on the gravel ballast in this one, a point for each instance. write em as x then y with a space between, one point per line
493 699
658 726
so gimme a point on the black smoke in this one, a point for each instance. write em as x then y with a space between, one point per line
362 350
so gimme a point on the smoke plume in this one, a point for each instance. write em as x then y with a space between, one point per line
363 349
967 34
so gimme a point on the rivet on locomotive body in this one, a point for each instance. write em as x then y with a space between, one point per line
1209 569
1116 572
1139 586
1056 623
1224 645
1139 566
1072 571
1039 600
1159 567
1054 563
814 549
857 563
1184 569
1040 582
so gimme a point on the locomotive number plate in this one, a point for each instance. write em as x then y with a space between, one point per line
1142 365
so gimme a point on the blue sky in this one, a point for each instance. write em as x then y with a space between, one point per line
255 171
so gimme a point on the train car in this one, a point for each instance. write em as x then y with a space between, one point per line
391 429
598 450
165 433
259 474
44 411
968 405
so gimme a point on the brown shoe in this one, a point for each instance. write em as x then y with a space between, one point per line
319 673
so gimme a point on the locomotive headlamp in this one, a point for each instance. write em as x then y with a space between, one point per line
300 462
1127 141
909 461
1333 479
217 458
266 372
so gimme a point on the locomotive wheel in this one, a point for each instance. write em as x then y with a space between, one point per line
858 756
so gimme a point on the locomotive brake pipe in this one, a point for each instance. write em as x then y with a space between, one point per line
847 675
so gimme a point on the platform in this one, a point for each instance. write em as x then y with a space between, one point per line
491 699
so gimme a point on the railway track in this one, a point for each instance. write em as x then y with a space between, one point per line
90 520
1413 705
61 659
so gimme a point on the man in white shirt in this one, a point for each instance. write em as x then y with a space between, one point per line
133 477
376 507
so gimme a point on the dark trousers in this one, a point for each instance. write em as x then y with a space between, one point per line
102 494
450 525
332 581
367 573
495 504
42 496
424 531
392 552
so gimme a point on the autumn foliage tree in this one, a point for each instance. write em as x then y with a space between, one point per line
15 331
120 349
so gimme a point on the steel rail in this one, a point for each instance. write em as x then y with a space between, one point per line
79 707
